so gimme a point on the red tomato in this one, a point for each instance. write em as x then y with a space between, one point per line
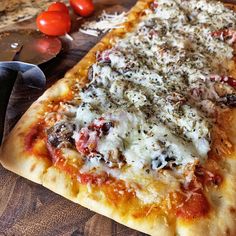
53 23
58 6
86 142
82 143
225 79
229 80
225 34
82 7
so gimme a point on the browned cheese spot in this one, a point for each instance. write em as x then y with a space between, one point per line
232 210
53 179
228 231
32 168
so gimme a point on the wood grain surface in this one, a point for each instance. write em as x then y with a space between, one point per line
27 208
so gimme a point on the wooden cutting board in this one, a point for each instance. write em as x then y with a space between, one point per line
30 209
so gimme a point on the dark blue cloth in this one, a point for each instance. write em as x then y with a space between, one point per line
32 76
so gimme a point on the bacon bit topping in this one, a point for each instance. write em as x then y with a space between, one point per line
176 98
104 56
154 5
225 34
87 139
208 177
225 79
197 92
101 126
153 33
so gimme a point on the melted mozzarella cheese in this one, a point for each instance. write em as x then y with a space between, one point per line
143 70
154 85
85 115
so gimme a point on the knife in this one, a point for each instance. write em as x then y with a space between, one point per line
21 53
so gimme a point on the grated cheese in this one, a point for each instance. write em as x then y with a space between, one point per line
158 67
155 86
105 23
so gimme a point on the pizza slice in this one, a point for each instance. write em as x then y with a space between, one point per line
142 130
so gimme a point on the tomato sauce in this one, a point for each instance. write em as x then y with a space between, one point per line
192 203
36 132
115 190
69 169
59 161
194 206
117 193
93 178
101 179
208 177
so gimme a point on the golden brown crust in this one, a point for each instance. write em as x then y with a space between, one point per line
222 217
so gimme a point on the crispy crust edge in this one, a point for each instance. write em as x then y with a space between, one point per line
221 221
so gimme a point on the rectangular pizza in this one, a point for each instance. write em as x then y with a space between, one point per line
143 128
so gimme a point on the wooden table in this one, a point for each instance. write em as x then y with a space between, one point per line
30 209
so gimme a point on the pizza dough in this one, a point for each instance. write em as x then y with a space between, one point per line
163 160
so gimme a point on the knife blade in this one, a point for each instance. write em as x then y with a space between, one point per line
21 52
34 47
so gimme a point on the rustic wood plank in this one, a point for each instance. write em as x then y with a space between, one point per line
27 208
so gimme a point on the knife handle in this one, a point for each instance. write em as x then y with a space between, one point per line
7 80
